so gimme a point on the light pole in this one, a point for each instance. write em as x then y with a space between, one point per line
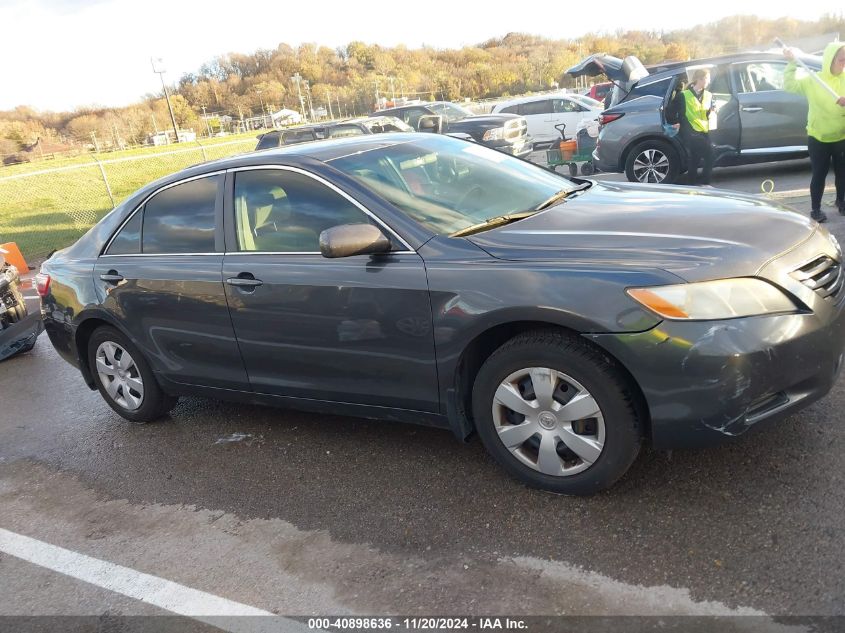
297 79
158 68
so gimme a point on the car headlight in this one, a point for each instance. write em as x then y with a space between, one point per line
720 299
496 134
836 245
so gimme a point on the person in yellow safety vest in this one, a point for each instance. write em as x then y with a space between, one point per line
825 122
692 108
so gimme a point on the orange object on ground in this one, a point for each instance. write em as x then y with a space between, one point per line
568 149
14 257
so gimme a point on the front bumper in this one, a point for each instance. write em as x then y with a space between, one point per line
522 147
706 381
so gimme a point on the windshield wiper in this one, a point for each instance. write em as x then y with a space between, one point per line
499 220
562 195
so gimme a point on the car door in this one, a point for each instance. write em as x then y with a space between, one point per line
568 113
538 116
772 119
354 329
160 278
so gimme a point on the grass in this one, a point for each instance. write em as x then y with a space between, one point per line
50 204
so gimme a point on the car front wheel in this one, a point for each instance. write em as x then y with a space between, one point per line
556 413
124 378
652 162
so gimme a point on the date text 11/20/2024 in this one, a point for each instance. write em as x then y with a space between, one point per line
415 624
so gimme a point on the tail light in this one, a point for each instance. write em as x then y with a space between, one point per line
42 284
604 119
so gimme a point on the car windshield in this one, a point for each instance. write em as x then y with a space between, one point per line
451 111
448 184
387 124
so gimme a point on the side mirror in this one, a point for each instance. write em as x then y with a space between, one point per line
430 123
353 239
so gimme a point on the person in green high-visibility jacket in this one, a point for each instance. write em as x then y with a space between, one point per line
691 109
825 122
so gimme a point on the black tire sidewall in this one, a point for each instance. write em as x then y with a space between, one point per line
663 146
155 401
622 432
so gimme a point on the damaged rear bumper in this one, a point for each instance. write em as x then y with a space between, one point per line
705 382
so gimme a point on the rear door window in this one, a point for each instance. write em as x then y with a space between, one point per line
181 219
513 109
543 106
760 76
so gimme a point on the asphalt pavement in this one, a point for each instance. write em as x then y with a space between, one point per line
303 514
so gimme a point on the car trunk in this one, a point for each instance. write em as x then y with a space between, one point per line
624 73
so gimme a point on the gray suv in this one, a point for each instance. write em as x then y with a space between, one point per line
757 120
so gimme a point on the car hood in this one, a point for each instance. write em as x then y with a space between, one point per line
687 232
628 70
483 119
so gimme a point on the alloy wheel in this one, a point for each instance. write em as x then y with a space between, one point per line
120 375
651 165
548 421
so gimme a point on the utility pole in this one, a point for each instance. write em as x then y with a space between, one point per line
96 144
392 91
158 68
155 125
297 79
329 101
308 95
337 96
204 118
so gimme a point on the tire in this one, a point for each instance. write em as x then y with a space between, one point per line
582 455
653 162
573 169
587 169
134 395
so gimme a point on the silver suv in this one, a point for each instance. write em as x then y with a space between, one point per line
757 120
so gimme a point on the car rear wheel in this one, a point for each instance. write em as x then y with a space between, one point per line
556 413
652 162
124 378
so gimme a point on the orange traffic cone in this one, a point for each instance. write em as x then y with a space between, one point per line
13 255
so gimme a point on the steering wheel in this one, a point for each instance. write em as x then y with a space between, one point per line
475 190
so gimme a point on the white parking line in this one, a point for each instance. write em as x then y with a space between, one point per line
165 594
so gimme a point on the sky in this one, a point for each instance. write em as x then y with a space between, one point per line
62 54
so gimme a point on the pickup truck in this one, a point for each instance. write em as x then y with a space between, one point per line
507 133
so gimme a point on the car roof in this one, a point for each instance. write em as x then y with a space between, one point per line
672 68
538 97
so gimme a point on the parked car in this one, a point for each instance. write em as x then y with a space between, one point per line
332 129
544 112
757 120
432 280
599 91
18 329
507 133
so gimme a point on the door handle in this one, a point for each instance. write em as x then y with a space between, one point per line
752 109
112 277
244 282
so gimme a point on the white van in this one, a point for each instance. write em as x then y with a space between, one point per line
543 112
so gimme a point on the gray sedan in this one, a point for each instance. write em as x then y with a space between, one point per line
425 279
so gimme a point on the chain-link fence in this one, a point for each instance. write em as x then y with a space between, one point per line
51 208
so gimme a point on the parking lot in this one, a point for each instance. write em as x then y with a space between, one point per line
303 514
